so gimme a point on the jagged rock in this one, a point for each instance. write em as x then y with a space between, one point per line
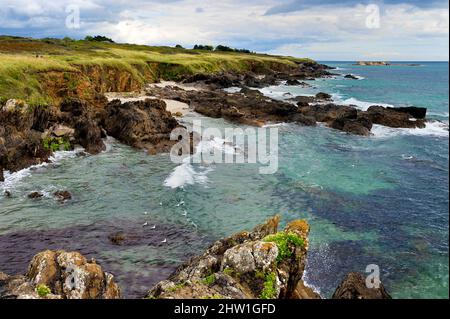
416 112
393 118
141 124
323 96
354 287
62 195
35 195
66 275
20 145
59 130
351 76
263 263
89 135
293 82
82 117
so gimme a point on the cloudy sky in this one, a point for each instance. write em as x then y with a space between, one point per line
320 29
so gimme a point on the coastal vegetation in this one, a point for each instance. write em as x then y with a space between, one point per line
40 71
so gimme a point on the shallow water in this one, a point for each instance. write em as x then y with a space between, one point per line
380 200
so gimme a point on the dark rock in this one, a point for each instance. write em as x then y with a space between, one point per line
141 124
35 195
251 93
7 193
351 76
323 96
416 112
354 287
62 195
89 135
393 118
292 82
117 238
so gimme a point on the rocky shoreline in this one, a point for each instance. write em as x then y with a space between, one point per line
29 135
262 264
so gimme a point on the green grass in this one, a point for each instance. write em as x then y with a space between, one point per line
270 286
177 287
24 62
285 242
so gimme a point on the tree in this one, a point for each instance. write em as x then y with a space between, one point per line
98 38
203 47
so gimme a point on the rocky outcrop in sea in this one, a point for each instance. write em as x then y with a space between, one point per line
264 263
60 275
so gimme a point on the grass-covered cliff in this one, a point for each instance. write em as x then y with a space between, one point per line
45 71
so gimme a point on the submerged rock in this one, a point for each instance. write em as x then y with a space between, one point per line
35 195
60 275
263 264
351 76
62 195
354 287
323 96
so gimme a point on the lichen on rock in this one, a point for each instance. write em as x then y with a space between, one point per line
60 275
244 265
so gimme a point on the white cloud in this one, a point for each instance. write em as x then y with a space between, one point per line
321 32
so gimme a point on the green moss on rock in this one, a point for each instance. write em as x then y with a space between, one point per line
285 241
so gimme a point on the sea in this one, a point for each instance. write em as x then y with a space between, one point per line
380 201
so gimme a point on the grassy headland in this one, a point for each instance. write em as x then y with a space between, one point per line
43 71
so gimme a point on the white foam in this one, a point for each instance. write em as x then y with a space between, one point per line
432 128
362 105
188 174
233 89
12 178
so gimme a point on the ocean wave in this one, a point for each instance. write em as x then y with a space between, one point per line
432 128
190 174
186 174
362 105
12 178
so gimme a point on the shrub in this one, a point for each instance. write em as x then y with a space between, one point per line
42 290
53 144
98 38
283 241
203 47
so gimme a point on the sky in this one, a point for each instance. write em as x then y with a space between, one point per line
325 30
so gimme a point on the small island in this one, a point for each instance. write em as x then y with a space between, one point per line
373 63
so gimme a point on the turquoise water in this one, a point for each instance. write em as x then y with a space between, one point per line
379 200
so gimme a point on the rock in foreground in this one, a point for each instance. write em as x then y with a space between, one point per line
60 275
262 264
354 287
